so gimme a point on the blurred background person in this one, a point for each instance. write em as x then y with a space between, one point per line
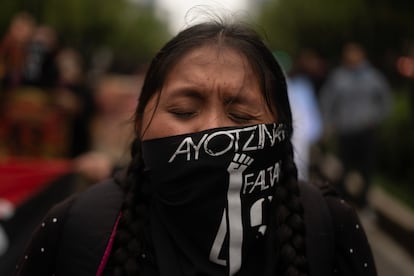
40 67
13 50
305 112
355 100
115 98
311 64
74 99
31 124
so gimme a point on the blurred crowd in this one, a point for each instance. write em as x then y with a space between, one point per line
56 104
338 110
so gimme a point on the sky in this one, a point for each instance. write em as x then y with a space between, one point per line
178 12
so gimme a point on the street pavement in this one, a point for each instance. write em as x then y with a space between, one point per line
391 259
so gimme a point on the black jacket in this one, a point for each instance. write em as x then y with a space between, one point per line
73 237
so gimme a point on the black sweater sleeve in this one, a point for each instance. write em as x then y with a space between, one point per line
353 255
39 257
73 237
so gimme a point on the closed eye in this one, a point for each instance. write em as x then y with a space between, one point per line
184 103
241 118
182 114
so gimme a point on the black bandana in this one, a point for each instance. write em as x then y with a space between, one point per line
211 196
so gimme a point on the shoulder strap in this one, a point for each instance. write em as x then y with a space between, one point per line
319 230
88 228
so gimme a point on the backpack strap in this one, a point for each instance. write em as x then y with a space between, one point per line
88 228
319 230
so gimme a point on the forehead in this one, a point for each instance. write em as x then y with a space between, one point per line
209 60
218 51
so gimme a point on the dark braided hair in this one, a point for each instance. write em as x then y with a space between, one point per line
290 228
288 219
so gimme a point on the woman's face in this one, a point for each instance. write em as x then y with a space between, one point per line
209 87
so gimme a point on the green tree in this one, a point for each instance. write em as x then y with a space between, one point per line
383 26
130 29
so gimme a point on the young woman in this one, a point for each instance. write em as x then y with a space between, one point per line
212 187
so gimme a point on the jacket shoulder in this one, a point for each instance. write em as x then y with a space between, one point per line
319 230
351 252
87 230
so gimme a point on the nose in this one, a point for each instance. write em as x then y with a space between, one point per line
212 122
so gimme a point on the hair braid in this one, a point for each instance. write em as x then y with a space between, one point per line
129 241
290 228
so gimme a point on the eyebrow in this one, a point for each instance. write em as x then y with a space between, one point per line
188 92
192 90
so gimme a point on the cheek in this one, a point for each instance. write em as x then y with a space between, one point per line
162 125
150 127
157 123
154 129
146 123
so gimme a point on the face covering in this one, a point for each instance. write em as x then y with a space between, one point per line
211 195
